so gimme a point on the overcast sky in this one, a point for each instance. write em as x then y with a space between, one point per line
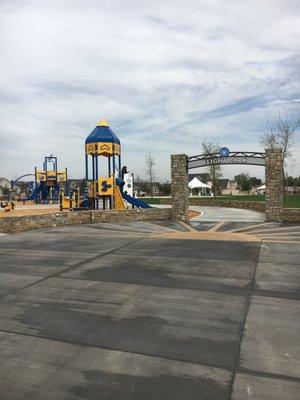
165 74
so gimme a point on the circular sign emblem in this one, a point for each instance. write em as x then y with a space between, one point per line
224 152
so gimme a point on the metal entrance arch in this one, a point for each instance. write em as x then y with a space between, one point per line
226 157
272 159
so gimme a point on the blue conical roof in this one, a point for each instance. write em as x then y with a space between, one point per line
102 133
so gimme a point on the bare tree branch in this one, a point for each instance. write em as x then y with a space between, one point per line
215 171
279 131
150 171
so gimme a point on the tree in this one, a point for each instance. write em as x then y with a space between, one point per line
150 171
255 181
214 170
293 181
164 188
24 187
279 130
244 181
5 191
141 185
82 187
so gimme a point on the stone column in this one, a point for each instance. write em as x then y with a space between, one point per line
274 185
179 187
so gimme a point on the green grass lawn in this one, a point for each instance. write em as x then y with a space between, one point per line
153 200
291 201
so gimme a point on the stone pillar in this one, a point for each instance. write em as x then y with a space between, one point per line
274 185
179 187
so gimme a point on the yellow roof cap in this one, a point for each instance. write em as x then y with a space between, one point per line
102 122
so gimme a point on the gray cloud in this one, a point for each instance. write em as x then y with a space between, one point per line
165 75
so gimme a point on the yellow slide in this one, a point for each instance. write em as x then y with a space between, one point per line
119 203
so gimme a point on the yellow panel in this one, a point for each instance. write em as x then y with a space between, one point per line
119 203
61 176
51 175
106 186
65 202
117 149
90 148
105 149
40 176
102 149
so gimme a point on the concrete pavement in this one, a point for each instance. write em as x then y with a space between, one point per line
121 311
227 214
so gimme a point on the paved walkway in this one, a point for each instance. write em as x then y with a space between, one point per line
133 311
228 214
217 223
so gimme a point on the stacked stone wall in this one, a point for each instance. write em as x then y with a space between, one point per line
274 185
210 202
291 215
247 205
179 187
13 224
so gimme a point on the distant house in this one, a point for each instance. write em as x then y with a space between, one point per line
225 186
4 186
228 187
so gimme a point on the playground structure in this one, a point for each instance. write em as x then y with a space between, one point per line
48 182
108 185
105 188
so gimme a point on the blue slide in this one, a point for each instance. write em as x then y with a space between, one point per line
35 194
131 200
134 201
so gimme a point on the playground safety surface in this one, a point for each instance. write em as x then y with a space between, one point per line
151 311
27 210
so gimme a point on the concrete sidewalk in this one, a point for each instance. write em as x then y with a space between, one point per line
227 214
121 311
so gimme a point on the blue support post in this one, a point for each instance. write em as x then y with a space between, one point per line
114 164
96 168
93 172
120 166
93 168
97 184
86 167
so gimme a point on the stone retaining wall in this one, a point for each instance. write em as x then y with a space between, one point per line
291 215
13 224
179 187
248 205
274 185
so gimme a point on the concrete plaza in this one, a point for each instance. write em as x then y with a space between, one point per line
136 311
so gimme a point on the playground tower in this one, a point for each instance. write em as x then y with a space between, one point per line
48 181
103 189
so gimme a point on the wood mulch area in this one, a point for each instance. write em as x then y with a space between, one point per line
19 212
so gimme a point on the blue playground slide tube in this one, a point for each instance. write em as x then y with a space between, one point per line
131 200
35 194
134 201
